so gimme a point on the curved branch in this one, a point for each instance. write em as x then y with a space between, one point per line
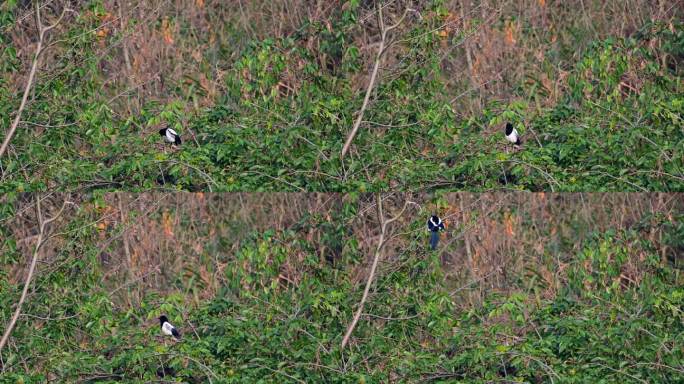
41 235
34 66
376 257
374 74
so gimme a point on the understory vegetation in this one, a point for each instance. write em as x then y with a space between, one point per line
264 98
523 288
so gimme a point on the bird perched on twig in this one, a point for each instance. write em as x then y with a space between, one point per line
170 136
512 135
434 226
167 328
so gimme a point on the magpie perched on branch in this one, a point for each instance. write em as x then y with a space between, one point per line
170 136
512 134
434 225
167 328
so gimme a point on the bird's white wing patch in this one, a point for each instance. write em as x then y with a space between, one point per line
170 135
167 328
513 137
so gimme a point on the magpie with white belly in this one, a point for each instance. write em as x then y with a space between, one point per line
167 328
434 225
512 135
170 136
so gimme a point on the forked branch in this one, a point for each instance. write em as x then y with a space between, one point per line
376 257
378 58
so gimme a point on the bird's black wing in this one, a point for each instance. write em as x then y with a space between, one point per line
175 333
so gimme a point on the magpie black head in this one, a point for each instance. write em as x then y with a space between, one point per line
509 128
162 132
163 319
435 223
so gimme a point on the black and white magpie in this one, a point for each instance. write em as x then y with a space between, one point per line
512 134
167 328
170 136
434 225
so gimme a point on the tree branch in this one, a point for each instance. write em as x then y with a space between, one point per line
41 235
376 257
34 66
374 74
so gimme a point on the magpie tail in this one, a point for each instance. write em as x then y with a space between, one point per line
434 239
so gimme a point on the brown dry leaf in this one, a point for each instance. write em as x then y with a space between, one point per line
546 275
542 3
510 33
450 20
102 33
135 256
200 3
204 274
197 55
548 85
197 247
508 221
476 65
166 222
166 31
204 82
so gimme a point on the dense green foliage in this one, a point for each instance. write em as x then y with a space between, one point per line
615 124
282 314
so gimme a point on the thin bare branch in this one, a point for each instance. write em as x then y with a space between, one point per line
39 242
378 58
29 83
376 257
